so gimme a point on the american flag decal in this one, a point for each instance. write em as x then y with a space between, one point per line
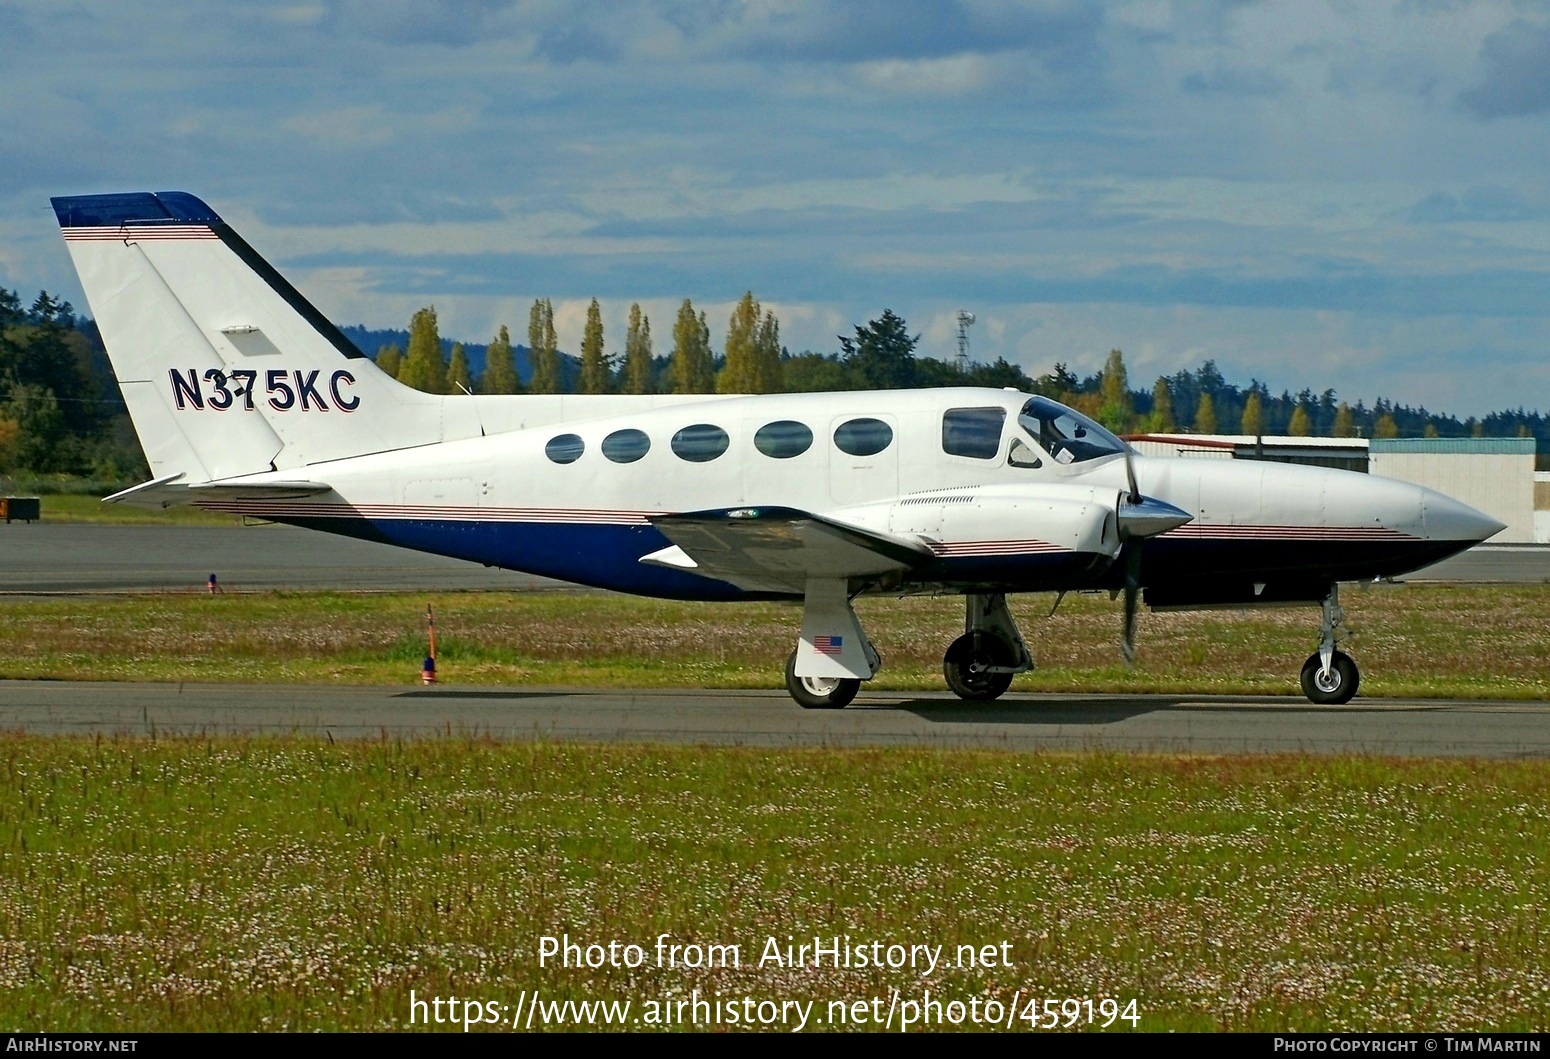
828 645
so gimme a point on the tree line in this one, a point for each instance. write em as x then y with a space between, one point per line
881 355
60 408
61 412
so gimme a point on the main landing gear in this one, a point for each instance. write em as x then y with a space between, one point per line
1329 677
819 693
834 656
980 664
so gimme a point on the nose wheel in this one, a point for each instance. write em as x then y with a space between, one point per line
1333 687
1329 677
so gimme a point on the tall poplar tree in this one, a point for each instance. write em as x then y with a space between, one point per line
458 379
543 348
1300 426
390 359
1162 407
1254 415
768 371
1345 422
637 353
595 376
500 369
423 367
691 365
738 375
1205 415
1116 409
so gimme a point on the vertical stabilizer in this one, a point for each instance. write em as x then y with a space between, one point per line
226 369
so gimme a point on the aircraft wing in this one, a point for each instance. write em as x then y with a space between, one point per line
170 492
778 548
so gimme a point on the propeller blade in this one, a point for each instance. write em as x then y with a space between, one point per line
1127 640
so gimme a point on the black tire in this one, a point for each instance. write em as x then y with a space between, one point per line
819 693
962 654
1335 690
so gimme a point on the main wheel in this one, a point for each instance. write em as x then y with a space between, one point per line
964 662
819 693
1334 688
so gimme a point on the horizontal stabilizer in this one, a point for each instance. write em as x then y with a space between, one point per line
778 548
170 492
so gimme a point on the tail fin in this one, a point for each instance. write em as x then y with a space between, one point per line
226 368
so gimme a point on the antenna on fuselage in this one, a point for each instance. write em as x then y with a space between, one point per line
965 319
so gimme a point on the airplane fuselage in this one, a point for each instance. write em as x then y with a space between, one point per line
574 500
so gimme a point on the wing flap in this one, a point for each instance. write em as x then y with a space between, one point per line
171 492
779 548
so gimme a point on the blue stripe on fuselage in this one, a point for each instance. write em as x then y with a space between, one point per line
608 556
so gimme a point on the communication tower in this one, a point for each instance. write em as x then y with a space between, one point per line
965 318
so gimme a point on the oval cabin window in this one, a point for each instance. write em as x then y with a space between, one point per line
626 446
863 437
783 439
566 448
700 443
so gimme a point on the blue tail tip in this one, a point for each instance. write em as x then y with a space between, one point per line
137 207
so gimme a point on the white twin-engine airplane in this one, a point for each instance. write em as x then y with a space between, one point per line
248 400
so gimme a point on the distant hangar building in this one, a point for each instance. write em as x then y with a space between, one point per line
1494 475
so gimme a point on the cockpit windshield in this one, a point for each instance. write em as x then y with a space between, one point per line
1068 436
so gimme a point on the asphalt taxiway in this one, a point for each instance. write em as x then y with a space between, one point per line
46 558
1129 723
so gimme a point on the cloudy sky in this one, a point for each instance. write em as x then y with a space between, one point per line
1350 193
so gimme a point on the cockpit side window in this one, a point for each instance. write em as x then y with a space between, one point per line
973 432
1067 435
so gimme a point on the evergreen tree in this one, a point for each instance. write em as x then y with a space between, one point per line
390 359
768 371
1300 426
1254 415
738 376
1161 421
882 355
500 369
423 367
1345 422
691 364
458 378
809 372
1116 408
637 353
1205 415
595 376
543 348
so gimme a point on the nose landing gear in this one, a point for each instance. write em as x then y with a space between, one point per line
1330 677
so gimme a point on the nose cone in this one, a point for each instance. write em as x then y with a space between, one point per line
1448 520
1149 516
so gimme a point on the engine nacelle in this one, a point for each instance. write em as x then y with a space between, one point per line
1001 519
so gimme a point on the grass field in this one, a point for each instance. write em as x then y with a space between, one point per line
1412 640
80 507
239 884
243 883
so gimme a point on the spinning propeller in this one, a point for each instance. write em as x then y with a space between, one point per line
1139 517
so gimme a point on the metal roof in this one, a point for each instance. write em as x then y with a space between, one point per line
1455 446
